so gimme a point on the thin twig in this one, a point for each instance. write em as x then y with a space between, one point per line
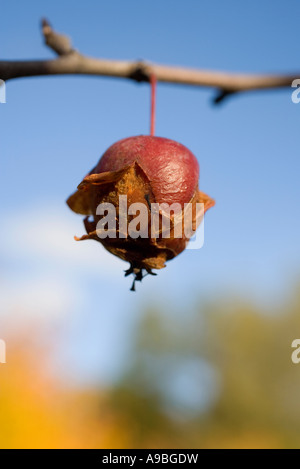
71 62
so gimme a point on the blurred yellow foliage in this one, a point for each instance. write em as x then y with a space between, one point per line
256 404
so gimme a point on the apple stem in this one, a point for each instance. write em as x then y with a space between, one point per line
153 83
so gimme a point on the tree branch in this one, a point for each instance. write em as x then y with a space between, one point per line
71 62
60 44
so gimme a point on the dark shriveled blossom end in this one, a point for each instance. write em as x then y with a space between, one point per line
147 170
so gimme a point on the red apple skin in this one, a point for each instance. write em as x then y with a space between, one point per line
172 169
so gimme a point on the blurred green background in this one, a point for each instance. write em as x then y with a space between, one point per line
226 382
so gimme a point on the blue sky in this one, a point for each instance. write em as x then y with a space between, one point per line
53 130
